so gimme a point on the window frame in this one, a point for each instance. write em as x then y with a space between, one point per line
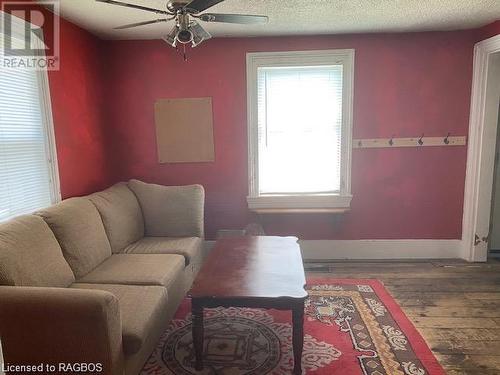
341 200
50 138
18 28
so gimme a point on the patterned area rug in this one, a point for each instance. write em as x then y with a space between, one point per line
351 327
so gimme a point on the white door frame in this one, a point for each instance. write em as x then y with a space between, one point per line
480 157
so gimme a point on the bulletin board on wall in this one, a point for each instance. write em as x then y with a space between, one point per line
184 130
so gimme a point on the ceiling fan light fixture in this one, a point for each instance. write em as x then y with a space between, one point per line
185 36
172 37
170 41
199 34
197 40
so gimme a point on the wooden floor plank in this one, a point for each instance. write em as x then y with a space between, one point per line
442 286
488 296
442 300
450 322
462 311
466 334
458 364
467 347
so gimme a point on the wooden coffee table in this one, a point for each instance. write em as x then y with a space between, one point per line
255 272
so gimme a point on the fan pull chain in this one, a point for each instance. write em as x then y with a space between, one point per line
184 53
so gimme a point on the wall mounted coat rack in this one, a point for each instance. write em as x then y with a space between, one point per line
421 141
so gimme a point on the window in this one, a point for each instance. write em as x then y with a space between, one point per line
28 164
299 126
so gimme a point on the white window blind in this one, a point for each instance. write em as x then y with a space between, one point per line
299 129
27 177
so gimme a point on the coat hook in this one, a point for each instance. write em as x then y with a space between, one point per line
391 141
446 140
360 144
421 141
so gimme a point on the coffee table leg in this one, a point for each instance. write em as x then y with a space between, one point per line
298 336
197 313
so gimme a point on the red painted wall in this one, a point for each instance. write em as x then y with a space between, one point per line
78 107
490 30
78 111
405 85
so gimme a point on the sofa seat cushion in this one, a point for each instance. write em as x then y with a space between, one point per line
137 269
189 247
78 227
121 215
142 310
31 256
170 211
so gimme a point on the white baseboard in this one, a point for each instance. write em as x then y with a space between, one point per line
380 249
376 249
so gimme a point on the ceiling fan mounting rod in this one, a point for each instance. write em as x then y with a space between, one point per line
183 21
177 6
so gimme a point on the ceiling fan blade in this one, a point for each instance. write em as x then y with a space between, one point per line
139 24
233 18
133 6
200 5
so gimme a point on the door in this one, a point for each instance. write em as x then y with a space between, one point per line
494 237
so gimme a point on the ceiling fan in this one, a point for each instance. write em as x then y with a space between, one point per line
186 13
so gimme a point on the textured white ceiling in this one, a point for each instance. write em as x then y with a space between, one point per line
294 17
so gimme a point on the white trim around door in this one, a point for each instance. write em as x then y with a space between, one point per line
480 152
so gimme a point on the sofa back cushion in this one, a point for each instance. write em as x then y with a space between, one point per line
31 256
120 214
78 227
170 211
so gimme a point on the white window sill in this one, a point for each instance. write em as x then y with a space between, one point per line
300 203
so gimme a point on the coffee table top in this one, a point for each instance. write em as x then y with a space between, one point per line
252 267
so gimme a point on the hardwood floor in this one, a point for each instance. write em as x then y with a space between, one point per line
455 305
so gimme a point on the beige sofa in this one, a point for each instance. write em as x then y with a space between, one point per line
97 279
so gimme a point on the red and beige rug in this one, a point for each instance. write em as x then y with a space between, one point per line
352 327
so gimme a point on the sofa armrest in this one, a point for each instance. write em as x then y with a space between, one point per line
56 326
171 211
